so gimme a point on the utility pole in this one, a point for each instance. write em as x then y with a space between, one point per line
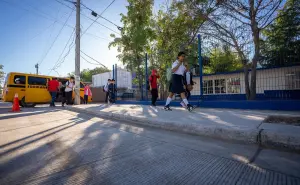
77 55
37 68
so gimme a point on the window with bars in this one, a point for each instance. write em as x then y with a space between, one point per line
293 80
208 87
220 86
233 85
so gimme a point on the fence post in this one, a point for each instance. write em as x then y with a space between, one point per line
200 66
116 75
113 70
146 76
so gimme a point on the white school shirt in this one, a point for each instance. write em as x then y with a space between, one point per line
68 89
180 70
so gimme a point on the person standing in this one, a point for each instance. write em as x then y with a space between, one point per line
153 86
112 91
53 87
177 86
105 89
69 91
87 93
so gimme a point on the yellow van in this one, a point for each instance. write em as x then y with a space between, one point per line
32 89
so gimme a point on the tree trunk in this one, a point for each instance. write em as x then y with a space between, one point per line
247 87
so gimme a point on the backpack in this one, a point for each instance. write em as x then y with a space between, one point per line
169 74
191 78
105 88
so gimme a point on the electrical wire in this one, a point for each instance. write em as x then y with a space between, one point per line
94 21
93 59
56 38
87 60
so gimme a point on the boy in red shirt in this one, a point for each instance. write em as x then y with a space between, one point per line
153 86
53 86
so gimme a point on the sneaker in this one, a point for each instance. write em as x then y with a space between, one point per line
190 107
167 108
182 104
153 104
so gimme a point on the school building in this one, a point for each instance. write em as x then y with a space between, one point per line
271 83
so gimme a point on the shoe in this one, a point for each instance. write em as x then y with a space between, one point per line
182 104
63 105
153 104
167 108
190 108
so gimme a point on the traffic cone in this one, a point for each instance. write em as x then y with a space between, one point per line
16 106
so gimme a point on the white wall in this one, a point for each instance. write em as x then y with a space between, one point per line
124 79
267 79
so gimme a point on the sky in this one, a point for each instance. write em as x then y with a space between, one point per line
29 29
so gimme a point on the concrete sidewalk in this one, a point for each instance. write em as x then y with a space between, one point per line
230 124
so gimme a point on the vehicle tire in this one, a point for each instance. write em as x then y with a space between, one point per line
24 104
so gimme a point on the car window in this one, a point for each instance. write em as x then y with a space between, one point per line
37 80
19 79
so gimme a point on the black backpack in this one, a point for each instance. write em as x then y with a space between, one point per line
191 78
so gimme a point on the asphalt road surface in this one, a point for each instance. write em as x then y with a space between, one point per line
46 145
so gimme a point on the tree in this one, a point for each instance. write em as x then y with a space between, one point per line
222 60
86 74
234 22
281 45
136 36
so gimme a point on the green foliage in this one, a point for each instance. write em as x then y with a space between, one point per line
281 45
222 60
136 35
86 74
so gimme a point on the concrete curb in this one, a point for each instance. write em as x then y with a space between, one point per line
247 136
270 138
255 136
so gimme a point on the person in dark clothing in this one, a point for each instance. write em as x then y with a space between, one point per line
177 86
188 83
153 86
53 86
112 91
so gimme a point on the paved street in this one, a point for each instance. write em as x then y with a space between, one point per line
55 146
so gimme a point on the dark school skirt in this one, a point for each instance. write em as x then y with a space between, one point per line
177 85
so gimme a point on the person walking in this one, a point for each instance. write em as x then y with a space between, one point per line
105 89
188 82
153 86
53 87
87 93
69 91
177 86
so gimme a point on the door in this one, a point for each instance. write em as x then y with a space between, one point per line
37 91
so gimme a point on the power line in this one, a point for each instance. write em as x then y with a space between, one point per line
88 61
37 12
56 37
57 62
96 14
99 17
94 21
93 59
